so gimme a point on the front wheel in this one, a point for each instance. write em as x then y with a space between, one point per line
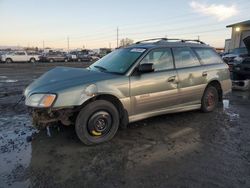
8 60
97 122
210 99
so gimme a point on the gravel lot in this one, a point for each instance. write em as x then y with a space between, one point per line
190 149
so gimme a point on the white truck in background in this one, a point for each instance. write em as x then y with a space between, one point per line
20 56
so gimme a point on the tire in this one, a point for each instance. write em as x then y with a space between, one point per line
32 60
8 60
51 60
79 60
97 122
65 60
210 99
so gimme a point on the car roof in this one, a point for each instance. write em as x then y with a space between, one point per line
169 43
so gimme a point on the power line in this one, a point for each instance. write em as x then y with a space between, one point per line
68 42
117 37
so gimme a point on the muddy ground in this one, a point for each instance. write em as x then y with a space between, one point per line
190 149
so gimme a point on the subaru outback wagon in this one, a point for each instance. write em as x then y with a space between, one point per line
148 78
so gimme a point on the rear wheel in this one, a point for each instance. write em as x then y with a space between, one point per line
51 60
97 122
65 60
32 60
210 99
8 60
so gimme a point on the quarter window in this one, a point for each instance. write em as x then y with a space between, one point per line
208 56
160 58
185 57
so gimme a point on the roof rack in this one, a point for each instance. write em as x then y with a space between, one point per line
193 40
159 40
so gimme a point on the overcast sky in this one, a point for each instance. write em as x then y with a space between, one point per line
93 23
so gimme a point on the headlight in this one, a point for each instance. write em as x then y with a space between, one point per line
40 100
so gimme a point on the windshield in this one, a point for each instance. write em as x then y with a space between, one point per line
118 61
239 51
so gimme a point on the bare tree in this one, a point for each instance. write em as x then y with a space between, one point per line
126 42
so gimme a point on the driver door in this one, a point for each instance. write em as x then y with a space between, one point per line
155 90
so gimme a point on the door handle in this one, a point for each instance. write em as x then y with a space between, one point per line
204 74
171 79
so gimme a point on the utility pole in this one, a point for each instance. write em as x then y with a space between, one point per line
43 44
198 37
68 43
117 37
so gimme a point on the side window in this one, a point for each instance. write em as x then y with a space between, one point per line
208 56
161 58
19 53
185 57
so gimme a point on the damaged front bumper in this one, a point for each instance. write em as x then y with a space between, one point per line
46 117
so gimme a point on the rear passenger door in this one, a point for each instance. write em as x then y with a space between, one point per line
190 76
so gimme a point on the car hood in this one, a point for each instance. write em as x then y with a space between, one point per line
247 43
61 78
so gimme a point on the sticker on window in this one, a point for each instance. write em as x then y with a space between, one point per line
139 50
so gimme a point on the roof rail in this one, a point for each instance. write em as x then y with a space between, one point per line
159 40
193 40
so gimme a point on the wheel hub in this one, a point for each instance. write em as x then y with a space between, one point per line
99 123
210 99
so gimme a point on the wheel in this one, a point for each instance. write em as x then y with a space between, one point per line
210 99
51 60
97 122
79 60
65 60
8 60
32 60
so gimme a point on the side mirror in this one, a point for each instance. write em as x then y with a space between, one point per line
146 67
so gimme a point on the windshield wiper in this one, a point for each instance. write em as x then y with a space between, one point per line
100 68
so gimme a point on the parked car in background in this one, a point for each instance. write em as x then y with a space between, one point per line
241 64
85 55
20 56
235 53
54 57
104 51
1 54
130 84
71 56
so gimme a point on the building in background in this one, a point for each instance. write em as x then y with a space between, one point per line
227 45
239 31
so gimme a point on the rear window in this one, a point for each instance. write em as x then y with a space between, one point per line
208 56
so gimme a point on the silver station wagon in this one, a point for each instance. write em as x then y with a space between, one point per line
148 78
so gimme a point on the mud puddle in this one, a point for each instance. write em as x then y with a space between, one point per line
15 151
